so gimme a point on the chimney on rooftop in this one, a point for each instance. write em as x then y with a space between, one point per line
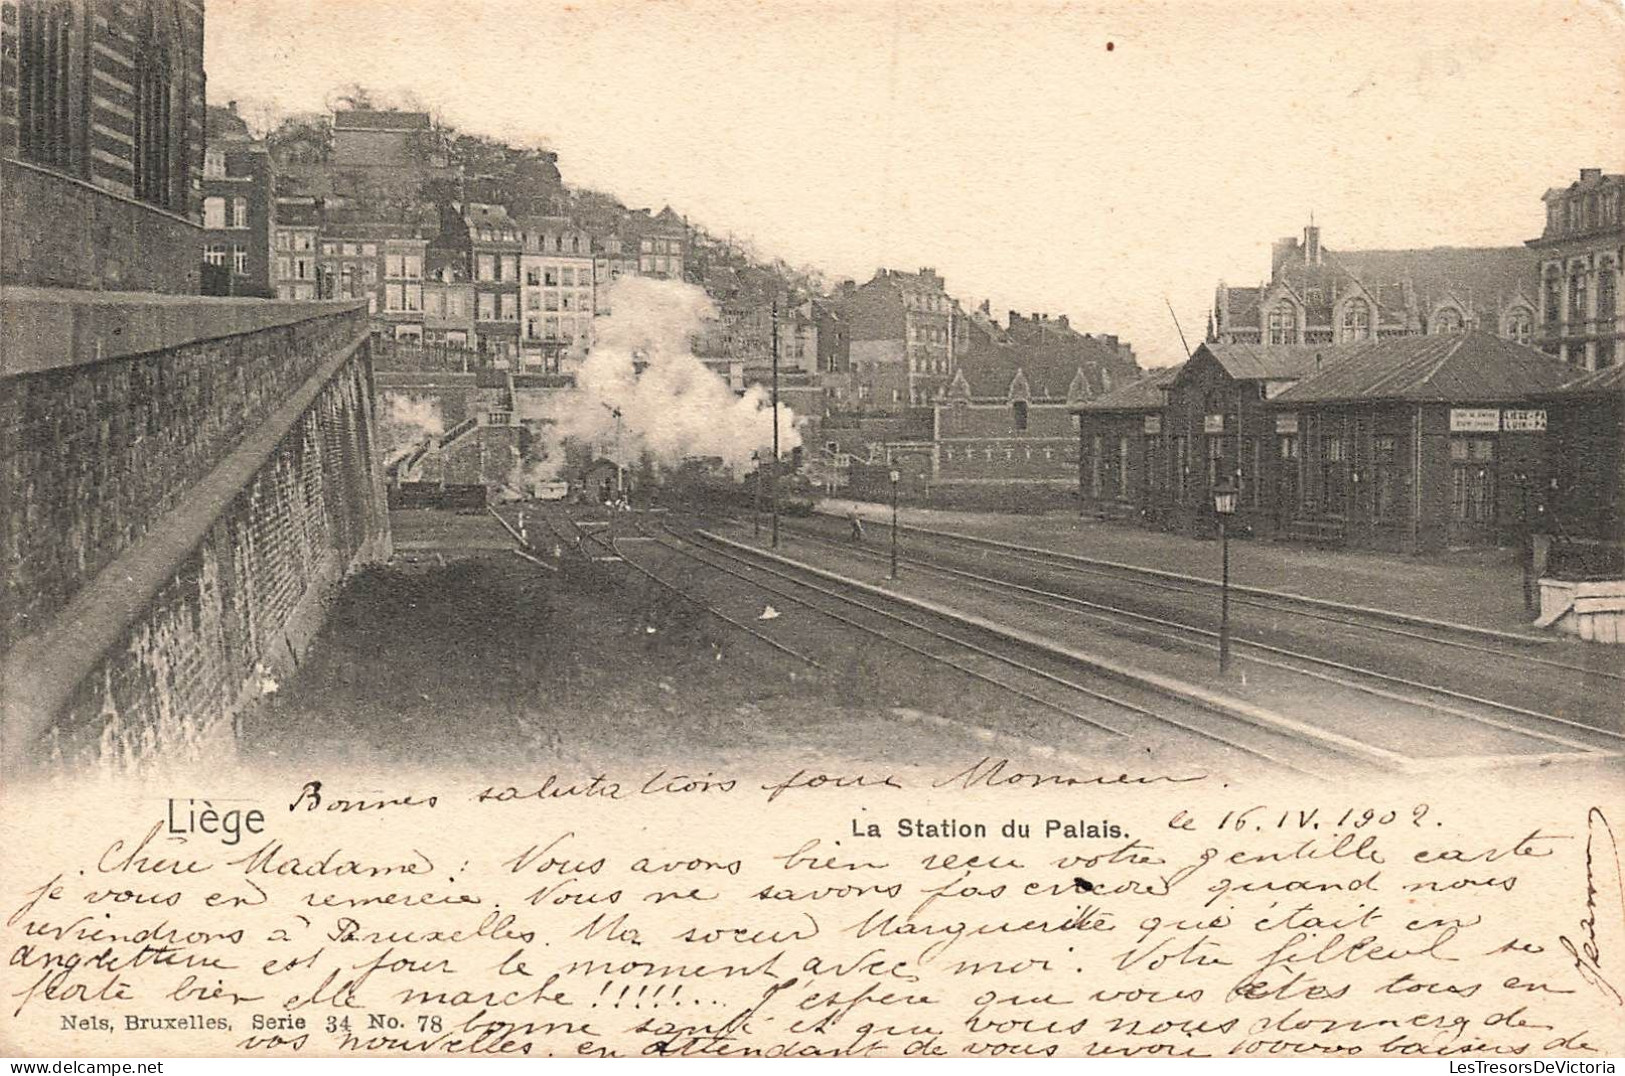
1063 322
1586 174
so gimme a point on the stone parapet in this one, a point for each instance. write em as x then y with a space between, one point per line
152 658
94 452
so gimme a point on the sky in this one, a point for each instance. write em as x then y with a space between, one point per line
1101 160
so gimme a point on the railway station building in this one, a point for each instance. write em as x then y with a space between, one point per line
1417 444
1122 472
1412 443
1585 472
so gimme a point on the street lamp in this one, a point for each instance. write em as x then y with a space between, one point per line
895 476
756 480
1224 506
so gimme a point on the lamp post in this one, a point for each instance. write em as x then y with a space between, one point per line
775 342
1224 506
756 516
894 480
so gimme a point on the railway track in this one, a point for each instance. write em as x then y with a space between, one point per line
1081 695
1340 674
1100 704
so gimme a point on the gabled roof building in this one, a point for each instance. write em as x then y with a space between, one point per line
1318 296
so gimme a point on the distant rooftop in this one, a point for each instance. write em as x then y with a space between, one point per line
369 119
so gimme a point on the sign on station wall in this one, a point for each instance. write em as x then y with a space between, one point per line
1286 423
1213 423
1524 421
1153 424
1494 420
1475 420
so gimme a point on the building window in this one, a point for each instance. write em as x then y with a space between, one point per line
1356 320
1284 324
216 253
510 306
487 306
239 259
1577 298
1019 409
1520 326
44 39
1384 478
533 277
239 212
214 213
1215 460
1472 481
1333 473
1606 295
1122 468
153 91
1554 298
485 267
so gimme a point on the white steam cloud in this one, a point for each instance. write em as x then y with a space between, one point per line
640 390
406 422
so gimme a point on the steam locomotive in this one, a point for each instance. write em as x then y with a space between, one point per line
702 486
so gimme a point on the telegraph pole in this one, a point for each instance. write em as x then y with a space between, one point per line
775 470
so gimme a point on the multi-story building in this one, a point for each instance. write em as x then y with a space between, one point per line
110 95
662 244
448 299
353 262
611 261
349 259
382 139
1317 296
294 241
557 289
1581 254
237 210
403 287
495 247
900 329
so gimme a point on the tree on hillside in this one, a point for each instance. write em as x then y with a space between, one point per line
351 97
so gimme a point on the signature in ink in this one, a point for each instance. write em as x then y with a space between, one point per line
1605 893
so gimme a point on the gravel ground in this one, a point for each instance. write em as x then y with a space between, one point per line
486 660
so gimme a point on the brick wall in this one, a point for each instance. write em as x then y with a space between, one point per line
247 600
173 521
65 233
93 454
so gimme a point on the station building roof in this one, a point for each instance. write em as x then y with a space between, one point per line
1141 394
1452 368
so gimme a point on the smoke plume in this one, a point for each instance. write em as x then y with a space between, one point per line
405 422
640 390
